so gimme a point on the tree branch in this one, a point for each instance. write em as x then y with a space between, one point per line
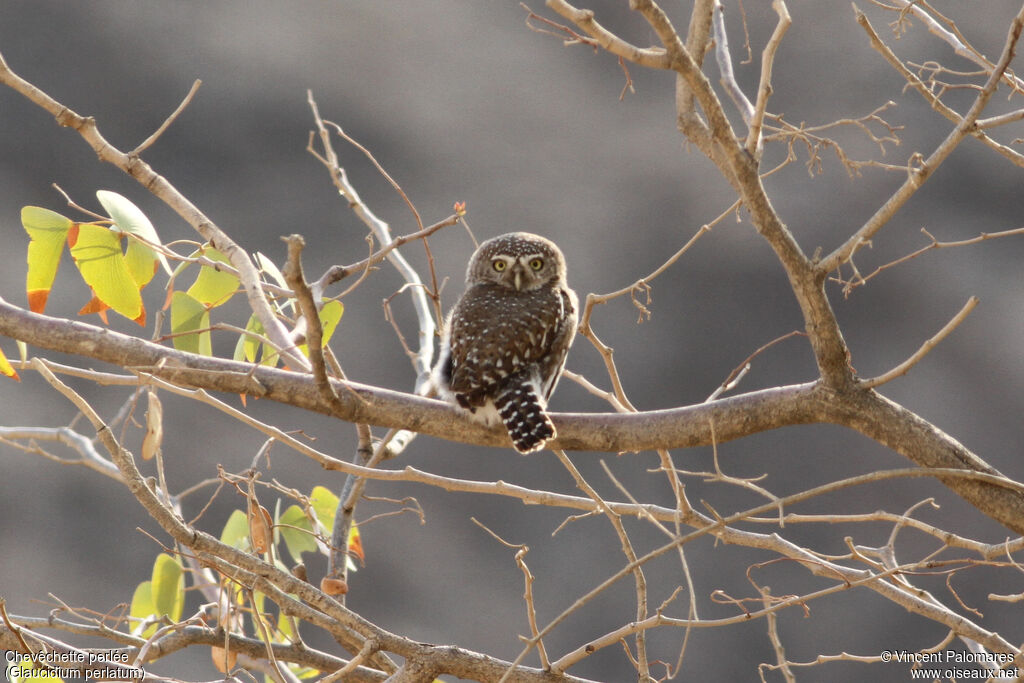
734 417
918 175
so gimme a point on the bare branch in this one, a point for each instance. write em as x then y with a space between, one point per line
918 175
654 58
528 579
88 455
936 103
860 280
764 90
955 40
724 60
425 318
631 557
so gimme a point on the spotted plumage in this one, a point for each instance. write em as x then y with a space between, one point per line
505 342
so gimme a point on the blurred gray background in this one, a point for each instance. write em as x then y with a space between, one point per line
460 101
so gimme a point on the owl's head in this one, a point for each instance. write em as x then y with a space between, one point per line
519 260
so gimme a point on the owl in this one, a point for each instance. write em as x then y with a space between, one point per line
504 344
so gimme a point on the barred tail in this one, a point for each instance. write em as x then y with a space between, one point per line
522 411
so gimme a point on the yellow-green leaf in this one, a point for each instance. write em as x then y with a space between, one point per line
141 258
213 287
168 587
236 531
97 253
266 265
142 606
330 316
325 505
47 231
284 626
297 532
188 316
248 346
26 671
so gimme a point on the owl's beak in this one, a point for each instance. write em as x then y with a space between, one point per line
518 278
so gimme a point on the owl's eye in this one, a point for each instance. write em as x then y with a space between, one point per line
498 264
536 263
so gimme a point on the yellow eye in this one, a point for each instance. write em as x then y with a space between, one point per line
536 263
498 264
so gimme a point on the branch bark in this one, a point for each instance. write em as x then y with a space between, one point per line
860 409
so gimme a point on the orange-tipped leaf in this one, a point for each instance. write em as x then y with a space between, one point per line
47 231
97 253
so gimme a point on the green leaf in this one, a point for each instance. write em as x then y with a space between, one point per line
299 539
325 505
236 531
129 218
187 316
47 231
97 253
213 287
168 587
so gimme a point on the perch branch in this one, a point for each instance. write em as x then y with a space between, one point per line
864 411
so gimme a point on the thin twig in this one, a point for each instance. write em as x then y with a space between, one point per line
531 611
773 636
905 366
730 382
631 557
754 140
724 60
930 97
338 273
956 41
917 176
859 280
145 144
88 455
386 238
